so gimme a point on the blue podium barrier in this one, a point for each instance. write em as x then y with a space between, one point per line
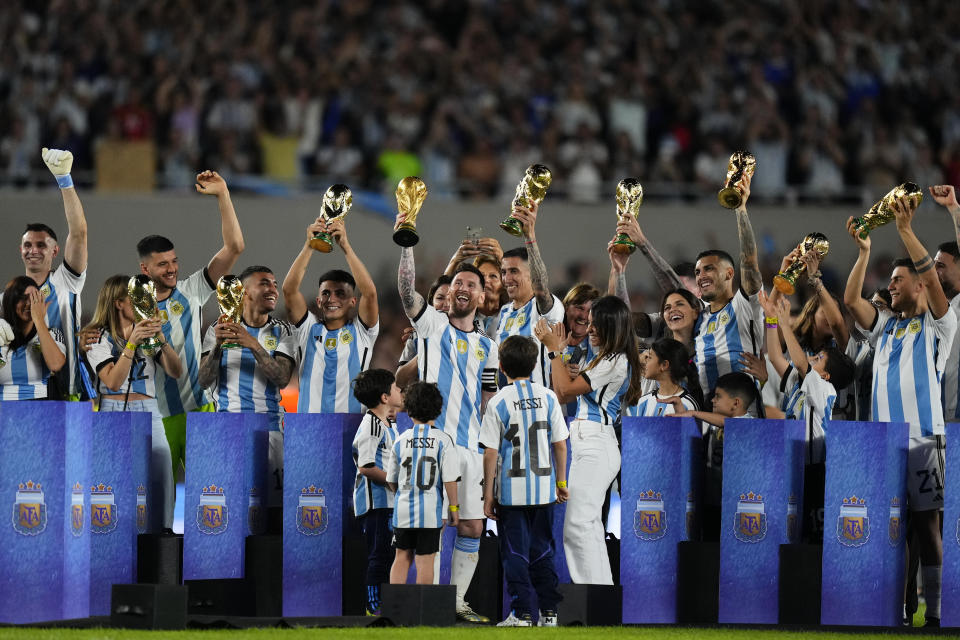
762 489
119 478
863 538
950 580
313 512
44 475
660 486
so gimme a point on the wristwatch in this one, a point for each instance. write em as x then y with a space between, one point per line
552 354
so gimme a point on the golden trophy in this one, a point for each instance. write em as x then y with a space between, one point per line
230 299
786 281
143 298
882 212
742 163
336 203
629 199
531 190
411 192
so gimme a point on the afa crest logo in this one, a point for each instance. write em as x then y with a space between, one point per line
270 343
29 509
914 326
312 513
853 525
141 509
45 291
212 515
346 337
76 510
254 513
750 520
481 354
793 521
650 517
103 509
176 308
895 527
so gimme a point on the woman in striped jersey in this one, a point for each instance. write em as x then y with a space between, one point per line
35 351
667 364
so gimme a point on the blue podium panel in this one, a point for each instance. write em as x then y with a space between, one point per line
216 495
950 581
762 488
119 477
863 538
313 512
44 558
660 484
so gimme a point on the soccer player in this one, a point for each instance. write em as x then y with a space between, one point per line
180 303
667 365
372 498
521 425
524 276
912 344
249 378
422 467
439 298
947 264
34 351
485 254
456 355
338 347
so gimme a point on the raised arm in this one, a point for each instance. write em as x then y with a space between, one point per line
667 278
293 300
830 307
60 163
861 309
771 311
945 195
903 209
750 279
368 308
538 270
617 284
210 182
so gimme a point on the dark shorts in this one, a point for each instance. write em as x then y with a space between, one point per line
422 541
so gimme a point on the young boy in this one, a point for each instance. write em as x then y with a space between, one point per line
424 464
523 421
372 499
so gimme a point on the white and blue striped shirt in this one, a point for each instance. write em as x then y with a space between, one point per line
329 361
951 374
424 457
372 446
520 321
241 385
652 405
812 400
180 313
143 370
463 364
908 363
720 338
23 371
609 379
522 421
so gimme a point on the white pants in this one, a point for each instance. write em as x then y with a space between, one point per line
594 465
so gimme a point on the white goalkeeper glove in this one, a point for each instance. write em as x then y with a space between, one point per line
59 162
6 333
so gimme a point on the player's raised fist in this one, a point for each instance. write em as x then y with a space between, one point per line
944 195
211 183
58 161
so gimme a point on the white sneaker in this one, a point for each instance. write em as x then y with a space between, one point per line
547 619
513 621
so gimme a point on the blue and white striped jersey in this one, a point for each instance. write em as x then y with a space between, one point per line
329 361
579 355
463 364
812 400
180 313
23 371
372 445
652 405
143 371
522 421
424 457
951 374
520 321
720 338
609 379
910 356
241 385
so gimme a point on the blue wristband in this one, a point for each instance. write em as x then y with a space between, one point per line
64 182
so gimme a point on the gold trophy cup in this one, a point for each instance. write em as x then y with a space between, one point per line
143 298
336 203
230 299
786 281
629 199
882 212
742 163
531 190
411 192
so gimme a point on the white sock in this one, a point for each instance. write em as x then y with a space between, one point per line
931 590
466 554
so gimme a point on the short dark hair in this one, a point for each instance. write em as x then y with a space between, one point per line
685 269
442 280
519 252
738 385
906 263
422 401
469 268
249 271
337 275
719 253
370 385
884 295
518 356
153 244
949 248
840 368
39 226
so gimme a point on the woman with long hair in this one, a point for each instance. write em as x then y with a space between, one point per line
610 380
126 376
667 364
36 351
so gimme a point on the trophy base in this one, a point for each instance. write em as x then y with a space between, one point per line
730 198
149 347
512 226
625 246
322 242
406 236
783 285
862 230
230 345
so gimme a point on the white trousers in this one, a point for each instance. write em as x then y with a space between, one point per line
594 465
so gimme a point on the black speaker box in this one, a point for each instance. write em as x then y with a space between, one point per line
354 573
148 606
160 558
698 582
412 605
801 572
264 573
220 597
591 605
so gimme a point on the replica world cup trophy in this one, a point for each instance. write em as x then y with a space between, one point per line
143 298
882 212
230 299
336 203
411 192
531 190
786 281
742 163
629 199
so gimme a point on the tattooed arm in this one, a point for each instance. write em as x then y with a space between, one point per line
667 278
750 279
209 367
277 369
406 278
538 270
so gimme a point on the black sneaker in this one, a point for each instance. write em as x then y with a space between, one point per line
932 622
